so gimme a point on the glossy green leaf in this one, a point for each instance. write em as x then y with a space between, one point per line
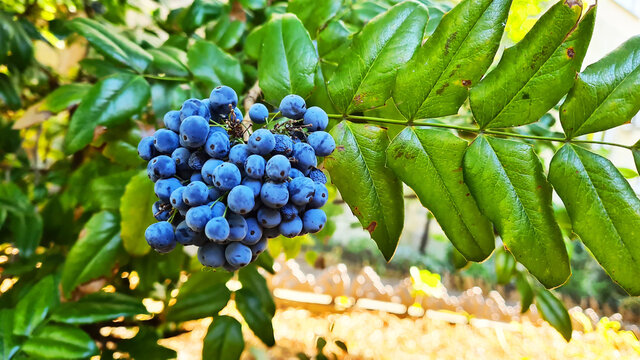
65 96
224 339
251 278
507 180
107 190
335 34
253 4
9 96
98 307
214 67
34 307
505 266
636 155
166 62
365 78
253 42
145 346
537 72
60 342
376 197
138 198
166 96
203 295
199 13
122 152
526 292
112 45
288 59
606 94
99 68
22 224
226 33
112 101
453 59
604 211
554 312
95 252
430 161
8 344
259 321
314 14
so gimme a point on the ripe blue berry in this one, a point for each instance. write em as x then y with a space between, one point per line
316 118
261 142
196 176
226 176
317 176
254 232
181 157
320 196
288 212
258 113
222 100
314 220
194 107
197 217
238 115
284 145
165 141
162 166
160 237
293 107
211 255
271 233
291 228
195 194
194 131
214 193
172 120
322 143
217 146
294 173
258 248
217 229
161 211
218 129
208 168
278 168
197 160
254 166
268 218
186 236
254 184
241 199
237 255
164 187
301 190
274 195
237 227
176 199
305 157
217 209
238 155
146 150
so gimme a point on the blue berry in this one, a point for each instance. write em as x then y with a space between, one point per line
237 227
217 146
214 193
218 129
226 176
165 141
294 173
217 229
222 100
197 160
274 195
194 107
261 142
268 218
254 232
241 199
258 113
146 150
195 194
322 143
293 107
160 237
152 176
254 184
161 211
291 228
238 155
305 157
320 196
316 118
197 217
301 190
172 120
162 166
284 145
237 255
181 157
217 208
238 115
288 212
258 248
254 166
196 176
317 176
186 236
176 199
194 131
164 187
314 220
278 168
211 255
271 233
208 168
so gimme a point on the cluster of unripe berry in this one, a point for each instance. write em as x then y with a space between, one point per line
229 197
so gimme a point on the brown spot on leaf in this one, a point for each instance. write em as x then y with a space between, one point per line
372 227
441 90
451 38
359 99
340 147
466 83
467 194
458 169
539 187
571 53
356 211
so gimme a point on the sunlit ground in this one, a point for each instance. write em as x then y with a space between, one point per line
378 335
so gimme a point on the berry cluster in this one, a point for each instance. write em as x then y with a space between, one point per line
226 196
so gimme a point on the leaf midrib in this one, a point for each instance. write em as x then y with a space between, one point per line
112 238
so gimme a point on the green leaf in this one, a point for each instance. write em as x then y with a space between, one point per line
526 292
99 68
121 152
224 339
60 342
505 266
214 67
112 101
554 312
288 59
314 14
636 155
204 294
166 62
65 96
365 78
166 96
253 42
9 95
98 307
8 344
604 211
453 59
430 162
107 190
253 4
507 180
605 94
537 72
376 197
112 45
23 222
34 307
259 321
251 278
95 252
145 346
200 13
335 34
135 215
226 33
